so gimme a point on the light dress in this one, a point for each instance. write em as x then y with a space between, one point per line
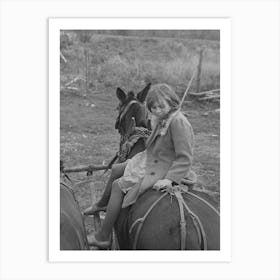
134 172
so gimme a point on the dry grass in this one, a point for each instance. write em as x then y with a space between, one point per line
128 61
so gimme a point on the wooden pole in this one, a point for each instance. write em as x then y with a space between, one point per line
188 87
203 92
199 71
85 168
86 70
63 57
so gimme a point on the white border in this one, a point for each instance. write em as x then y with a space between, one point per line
55 25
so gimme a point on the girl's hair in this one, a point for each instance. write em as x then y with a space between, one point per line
160 92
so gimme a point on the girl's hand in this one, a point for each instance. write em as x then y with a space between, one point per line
162 183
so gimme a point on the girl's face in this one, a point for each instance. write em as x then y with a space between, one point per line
160 108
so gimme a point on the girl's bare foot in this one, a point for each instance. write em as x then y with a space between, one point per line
94 208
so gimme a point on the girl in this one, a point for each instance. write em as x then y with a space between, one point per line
166 160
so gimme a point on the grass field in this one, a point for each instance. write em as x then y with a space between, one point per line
87 120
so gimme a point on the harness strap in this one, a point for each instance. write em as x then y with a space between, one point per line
67 177
69 189
206 202
142 220
198 225
202 239
64 175
183 220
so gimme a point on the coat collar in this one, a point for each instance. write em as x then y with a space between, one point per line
153 136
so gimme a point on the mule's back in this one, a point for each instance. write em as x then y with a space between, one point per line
161 228
72 230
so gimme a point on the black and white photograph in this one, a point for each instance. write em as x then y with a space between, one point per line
120 90
140 139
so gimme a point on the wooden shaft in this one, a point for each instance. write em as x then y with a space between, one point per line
197 94
199 71
86 70
85 168
188 87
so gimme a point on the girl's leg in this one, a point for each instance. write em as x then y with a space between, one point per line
113 210
117 172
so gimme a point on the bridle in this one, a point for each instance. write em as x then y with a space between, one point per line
123 110
130 134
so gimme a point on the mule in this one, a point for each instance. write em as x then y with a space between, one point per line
132 122
72 230
156 222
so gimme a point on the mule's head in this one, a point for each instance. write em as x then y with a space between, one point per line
131 108
124 98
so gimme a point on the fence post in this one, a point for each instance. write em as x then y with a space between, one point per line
199 70
86 69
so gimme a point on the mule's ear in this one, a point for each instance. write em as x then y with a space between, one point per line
121 95
141 96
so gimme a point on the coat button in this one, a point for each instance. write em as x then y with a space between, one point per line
153 173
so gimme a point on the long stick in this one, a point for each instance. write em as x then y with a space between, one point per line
199 71
198 94
210 97
63 57
85 168
188 87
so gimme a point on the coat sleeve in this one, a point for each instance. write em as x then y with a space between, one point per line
182 138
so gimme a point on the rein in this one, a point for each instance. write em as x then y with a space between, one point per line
196 222
131 136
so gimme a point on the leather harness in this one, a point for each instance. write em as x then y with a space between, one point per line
177 192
